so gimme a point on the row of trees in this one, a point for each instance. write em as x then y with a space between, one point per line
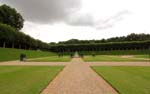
10 23
128 38
129 42
11 38
135 45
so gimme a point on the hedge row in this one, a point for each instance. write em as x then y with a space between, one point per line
136 45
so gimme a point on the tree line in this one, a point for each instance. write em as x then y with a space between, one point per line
129 38
11 38
11 22
130 42
134 45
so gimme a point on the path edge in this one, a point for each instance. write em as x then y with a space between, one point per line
41 92
106 80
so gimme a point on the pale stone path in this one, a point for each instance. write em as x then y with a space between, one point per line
78 78
118 63
18 63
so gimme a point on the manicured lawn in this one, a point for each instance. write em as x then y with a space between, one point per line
118 52
116 58
26 79
7 54
127 80
51 59
142 56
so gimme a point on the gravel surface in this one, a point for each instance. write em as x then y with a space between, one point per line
18 63
118 63
78 78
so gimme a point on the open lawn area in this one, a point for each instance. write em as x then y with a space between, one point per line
8 54
118 52
119 58
51 59
142 56
127 80
26 80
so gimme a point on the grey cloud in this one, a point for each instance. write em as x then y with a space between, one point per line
80 19
67 11
111 21
44 10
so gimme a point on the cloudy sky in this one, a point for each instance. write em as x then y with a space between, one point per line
60 20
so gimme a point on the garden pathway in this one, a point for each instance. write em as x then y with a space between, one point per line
78 78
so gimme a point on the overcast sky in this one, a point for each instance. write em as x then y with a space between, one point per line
60 20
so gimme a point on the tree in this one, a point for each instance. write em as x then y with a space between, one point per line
7 35
11 17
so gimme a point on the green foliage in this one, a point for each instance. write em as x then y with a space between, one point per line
130 37
7 33
7 54
11 17
135 45
127 80
14 39
26 79
130 42
10 23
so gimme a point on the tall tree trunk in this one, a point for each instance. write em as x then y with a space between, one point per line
4 44
13 45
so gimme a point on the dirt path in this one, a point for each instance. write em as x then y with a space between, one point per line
78 78
18 63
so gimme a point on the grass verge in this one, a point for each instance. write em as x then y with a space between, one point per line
7 54
117 58
118 52
26 79
127 80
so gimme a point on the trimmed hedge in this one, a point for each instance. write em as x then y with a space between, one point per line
135 45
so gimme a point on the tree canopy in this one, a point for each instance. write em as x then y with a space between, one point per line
11 17
129 38
129 42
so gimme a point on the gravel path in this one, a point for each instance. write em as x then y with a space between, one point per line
18 63
118 63
78 78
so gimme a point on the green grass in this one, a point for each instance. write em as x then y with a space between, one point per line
51 59
118 52
127 80
116 58
26 79
142 56
7 54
